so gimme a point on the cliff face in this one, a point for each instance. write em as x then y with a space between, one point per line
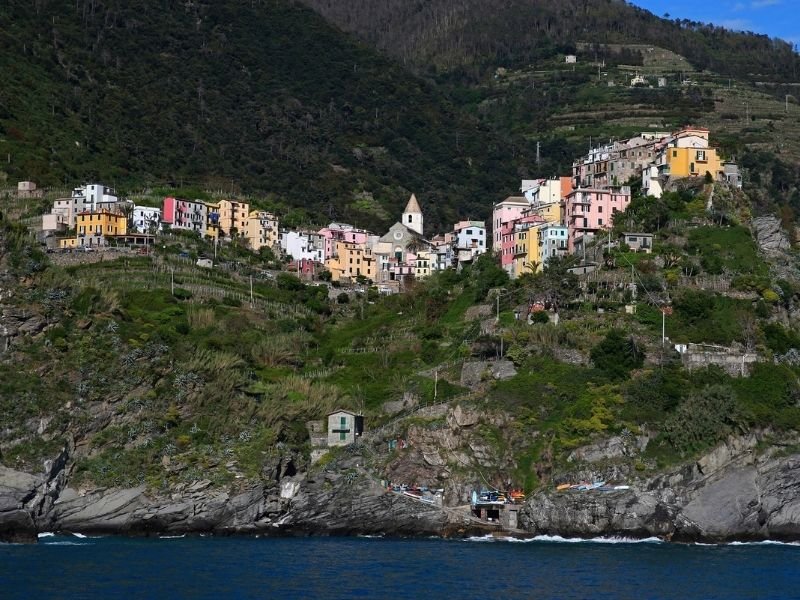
346 501
731 493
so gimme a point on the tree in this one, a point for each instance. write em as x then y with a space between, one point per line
617 355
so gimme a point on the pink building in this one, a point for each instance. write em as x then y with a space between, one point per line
185 214
341 232
588 210
504 213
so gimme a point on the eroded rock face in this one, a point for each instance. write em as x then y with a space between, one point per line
771 237
729 494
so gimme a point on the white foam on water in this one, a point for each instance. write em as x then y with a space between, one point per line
764 543
565 540
63 543
79 535
45 534
171 537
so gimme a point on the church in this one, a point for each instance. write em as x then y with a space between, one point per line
405 236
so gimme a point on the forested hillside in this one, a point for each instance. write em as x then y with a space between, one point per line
259 96
512 32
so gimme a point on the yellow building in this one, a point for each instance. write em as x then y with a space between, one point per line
693 162
424 264
351 260
262 230
93 229
233 217
527 249
551 213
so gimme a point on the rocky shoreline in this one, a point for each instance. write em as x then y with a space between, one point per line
733 493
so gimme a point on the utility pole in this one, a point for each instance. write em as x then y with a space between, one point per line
538 151
172 279
251 291
435 383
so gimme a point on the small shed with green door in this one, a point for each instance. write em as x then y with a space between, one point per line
344 427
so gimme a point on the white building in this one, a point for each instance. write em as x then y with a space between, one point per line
300 245
87 198
552 242
470 235
146 219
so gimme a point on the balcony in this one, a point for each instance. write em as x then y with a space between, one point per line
584 199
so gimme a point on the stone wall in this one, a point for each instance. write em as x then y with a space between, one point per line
737 363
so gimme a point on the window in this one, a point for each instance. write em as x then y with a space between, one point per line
674 154
409 218
469 231
342 428
599 209
701 155
599 221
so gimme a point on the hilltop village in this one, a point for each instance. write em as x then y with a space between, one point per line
551 217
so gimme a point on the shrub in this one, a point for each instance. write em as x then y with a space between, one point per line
703 419
343 298
182 294
540 317
617 355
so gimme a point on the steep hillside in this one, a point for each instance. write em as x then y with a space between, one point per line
448 33
262 96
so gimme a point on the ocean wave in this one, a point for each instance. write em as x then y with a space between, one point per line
557 539
764 543
172 537
67 543
45 534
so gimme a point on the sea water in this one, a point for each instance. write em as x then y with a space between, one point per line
486 568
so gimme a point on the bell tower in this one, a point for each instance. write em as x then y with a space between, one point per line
412 215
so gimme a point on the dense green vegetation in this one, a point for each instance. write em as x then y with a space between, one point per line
447 33
262 97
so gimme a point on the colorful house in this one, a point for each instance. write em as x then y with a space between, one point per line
261 230
93 229
588 210
351 261
233 217
341 232
526 253
552 242
186 215
503 213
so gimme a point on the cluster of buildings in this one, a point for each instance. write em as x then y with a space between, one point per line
403 252
94 216
549 218
558 216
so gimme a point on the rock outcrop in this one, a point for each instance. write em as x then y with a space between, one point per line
731 493
771 238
